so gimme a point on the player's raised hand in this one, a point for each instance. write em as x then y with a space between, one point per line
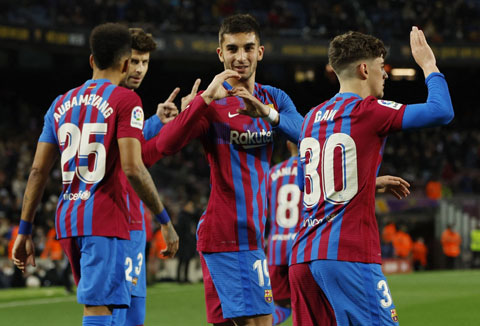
253 107
421 52
394 185
215 90
171 239
187 99
167 111
23 252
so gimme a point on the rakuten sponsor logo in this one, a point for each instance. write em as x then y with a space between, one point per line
82 195
251 139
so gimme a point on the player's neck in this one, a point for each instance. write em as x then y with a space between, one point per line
113 76
358 87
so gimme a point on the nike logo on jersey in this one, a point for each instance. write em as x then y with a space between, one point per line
232 115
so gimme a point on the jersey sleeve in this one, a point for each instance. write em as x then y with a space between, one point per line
130 116
290 122
438 110
189 124
152 127
48 134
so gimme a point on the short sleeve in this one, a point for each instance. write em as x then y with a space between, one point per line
130 117
48 134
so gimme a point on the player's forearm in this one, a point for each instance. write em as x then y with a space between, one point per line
143 185
438 109
33 193
185 127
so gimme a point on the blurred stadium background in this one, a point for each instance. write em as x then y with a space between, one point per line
44 52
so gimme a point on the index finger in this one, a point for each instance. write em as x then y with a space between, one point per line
173 94
195 86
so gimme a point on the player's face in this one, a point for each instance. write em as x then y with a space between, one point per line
377 77
241 52
137 69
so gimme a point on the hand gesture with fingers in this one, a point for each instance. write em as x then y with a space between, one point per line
167 111
253 107
187 99
394 185
421 52
215 90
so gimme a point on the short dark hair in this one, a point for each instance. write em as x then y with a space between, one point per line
353 46
110 42
239 23
142 41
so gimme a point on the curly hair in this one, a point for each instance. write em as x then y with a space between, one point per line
350 47
141 41
110 42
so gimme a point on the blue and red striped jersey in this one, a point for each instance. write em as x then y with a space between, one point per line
285 207
340 147
85 123
238 149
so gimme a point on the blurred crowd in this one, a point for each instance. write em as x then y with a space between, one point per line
442 20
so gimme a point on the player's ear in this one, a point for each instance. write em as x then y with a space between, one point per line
91 61
125 66
220 54
261 50
362 70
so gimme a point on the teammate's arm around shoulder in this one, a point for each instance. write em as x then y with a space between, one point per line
438 110
142 183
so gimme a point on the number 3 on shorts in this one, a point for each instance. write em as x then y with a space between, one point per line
387 298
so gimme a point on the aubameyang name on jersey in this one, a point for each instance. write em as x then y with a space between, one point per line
251 139
327 115
90 99
287 170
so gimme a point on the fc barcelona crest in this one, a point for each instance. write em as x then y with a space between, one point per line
393 313
268 296
134 280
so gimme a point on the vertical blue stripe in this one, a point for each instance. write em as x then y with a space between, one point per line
337 222
254 188
248 294
144 220
302 242
273 213
263 193
239 199
66 203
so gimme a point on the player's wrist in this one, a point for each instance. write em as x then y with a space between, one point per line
163 217
25 227
272 116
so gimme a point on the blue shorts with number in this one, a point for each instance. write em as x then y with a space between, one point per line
357 292
98 263
135 263
242 282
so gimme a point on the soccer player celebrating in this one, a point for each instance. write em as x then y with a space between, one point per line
97 128
285 202
335 273
238 148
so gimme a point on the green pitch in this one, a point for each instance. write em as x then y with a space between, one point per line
423 299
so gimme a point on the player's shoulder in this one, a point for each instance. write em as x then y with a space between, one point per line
371 102
124 93
269 89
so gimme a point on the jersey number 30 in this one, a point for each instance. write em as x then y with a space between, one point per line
78 144
334 191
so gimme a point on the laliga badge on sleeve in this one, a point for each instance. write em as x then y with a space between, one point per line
137 118
390 104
